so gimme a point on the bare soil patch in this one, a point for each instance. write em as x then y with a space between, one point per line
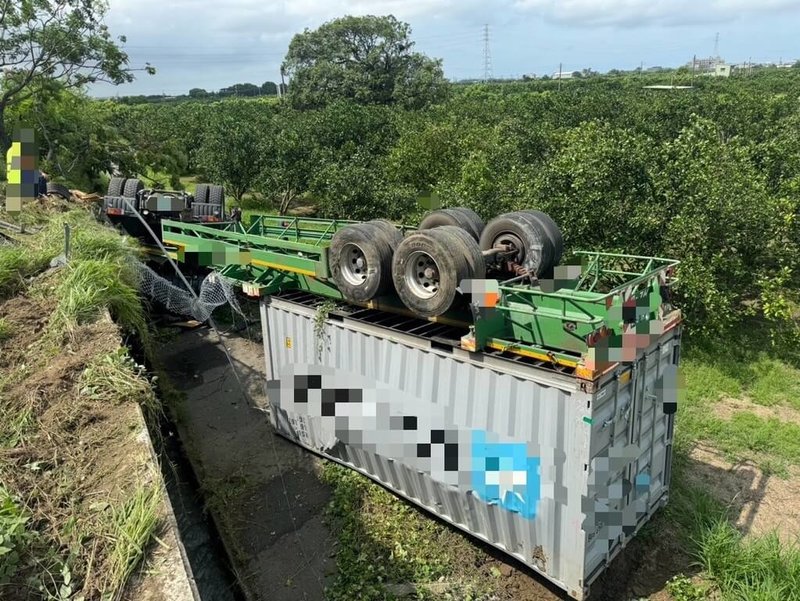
758 503
726 408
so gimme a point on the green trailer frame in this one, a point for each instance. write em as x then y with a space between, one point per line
591 316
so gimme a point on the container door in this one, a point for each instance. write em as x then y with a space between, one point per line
631 451
652 424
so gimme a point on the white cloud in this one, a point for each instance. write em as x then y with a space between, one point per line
219 43
650 12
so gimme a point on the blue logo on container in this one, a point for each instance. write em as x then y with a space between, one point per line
503 474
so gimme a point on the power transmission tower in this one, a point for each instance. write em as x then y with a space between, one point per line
487 55
716 46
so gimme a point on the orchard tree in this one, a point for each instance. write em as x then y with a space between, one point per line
55 40
269 88
79 138
367 59
289 159
736 241
232 150
597 185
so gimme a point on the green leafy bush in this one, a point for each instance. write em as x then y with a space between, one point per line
13 535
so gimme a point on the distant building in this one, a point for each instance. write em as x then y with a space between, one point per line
705 65
565 74
723 71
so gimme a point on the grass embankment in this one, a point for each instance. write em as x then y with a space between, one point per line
742 403
78 502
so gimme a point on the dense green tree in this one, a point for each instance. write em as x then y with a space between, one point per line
732 236
232 150
55 40
366 59
710 176
147 133
76 135
241 90
197 93
597 185
289 160
269 88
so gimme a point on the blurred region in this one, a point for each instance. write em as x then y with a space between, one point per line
22 168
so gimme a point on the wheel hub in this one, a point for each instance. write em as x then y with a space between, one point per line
422 275
516 249
353 264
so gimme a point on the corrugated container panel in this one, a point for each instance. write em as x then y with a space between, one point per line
557 472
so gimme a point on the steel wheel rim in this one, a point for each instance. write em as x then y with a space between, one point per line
422 275
353 264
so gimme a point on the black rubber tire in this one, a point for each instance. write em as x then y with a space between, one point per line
528 232
393 235
451 258
116 186
201 193
455 217
476 223
375 243
471 249
132 188
216 195
553 232
59 190
550 239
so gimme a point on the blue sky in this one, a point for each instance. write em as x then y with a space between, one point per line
198 43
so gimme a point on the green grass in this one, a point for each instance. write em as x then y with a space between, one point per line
18 263
771 443
733 567
93 285
115 377
74 549
769 377
132 527
761 378
383 540
759 569
33 253
14 535
17 424
99 275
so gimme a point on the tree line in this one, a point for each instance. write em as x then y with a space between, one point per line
237 90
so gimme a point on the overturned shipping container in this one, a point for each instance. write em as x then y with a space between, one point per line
557 471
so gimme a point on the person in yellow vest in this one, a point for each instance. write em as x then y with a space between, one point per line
23 176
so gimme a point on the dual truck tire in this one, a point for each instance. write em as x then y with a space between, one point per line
129 188
427 267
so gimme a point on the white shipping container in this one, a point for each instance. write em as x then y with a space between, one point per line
557 471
